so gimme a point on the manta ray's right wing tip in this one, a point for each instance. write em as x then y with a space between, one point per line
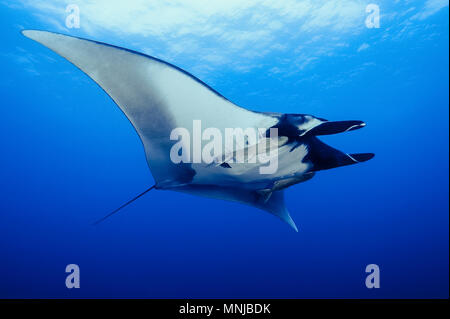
275 205
288 219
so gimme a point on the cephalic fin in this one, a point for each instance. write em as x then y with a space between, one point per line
324 156
330 127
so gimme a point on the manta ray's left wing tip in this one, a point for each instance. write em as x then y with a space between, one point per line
37 35
43 37
29 33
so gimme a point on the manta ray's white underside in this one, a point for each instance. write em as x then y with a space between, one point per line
157 97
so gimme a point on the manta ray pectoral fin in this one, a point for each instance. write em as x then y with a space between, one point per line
329 127
274 204
155 96
265 194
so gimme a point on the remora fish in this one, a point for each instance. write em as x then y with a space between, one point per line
157 97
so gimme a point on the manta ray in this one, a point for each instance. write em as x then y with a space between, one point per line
157 96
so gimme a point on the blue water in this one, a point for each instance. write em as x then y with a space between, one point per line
69 156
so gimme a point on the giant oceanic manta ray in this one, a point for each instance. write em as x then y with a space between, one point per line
157 97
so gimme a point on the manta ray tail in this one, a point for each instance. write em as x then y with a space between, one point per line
129 202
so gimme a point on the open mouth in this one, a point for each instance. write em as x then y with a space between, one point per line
324 156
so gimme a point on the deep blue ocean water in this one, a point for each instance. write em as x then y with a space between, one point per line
69 156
